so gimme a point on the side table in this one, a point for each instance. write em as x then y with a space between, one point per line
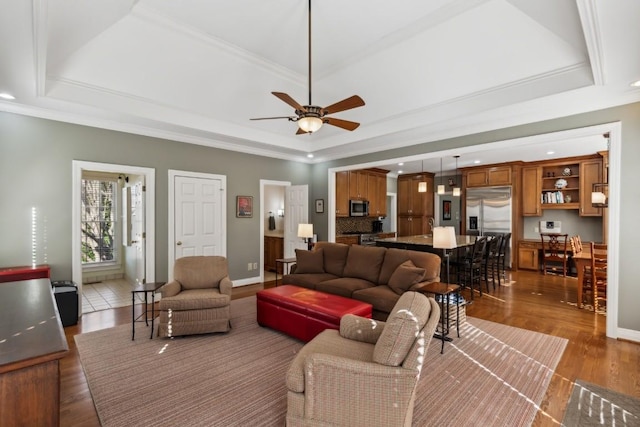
444 290
285 266
145 288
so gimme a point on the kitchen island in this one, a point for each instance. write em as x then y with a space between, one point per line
422 243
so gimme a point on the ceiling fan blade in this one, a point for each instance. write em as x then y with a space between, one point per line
289 100
271 118
344 124
346 104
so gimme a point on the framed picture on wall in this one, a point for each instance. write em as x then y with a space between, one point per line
446 210
244 206
319 205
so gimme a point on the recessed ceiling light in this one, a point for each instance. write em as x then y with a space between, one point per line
8 96
551 152
399 172
400 164
635 84
475 162
310 156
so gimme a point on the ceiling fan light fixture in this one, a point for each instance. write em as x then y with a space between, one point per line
310 124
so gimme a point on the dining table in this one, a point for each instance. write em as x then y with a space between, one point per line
581 259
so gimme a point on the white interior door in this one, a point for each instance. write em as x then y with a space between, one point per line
138 230
296 211
198 216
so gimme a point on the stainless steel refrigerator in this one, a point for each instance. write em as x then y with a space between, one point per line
488 211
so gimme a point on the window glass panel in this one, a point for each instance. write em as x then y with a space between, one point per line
99 243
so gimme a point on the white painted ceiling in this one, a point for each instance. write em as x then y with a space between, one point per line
198 70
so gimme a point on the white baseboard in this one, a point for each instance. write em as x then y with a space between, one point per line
629 334
247 281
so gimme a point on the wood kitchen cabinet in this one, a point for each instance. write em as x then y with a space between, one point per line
342 194
364 184
348 240
486 177
531 190
528 255
590 173
414 208
273 250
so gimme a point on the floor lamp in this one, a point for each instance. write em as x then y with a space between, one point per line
305 231
445 238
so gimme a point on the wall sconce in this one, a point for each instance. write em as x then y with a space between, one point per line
600 195
305 231
281 213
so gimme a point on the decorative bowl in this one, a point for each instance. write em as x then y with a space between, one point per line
561 183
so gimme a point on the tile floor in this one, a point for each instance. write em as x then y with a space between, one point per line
106 294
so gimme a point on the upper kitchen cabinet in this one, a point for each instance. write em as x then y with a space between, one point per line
342 194
531 190
364 184
414 208
488 176
590 173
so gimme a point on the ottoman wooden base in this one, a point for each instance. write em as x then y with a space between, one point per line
304 313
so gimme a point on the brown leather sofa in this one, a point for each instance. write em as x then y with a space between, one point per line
376 275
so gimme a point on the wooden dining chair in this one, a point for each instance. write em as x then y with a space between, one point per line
554 251
599 275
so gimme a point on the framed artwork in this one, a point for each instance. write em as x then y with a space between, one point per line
446 210
244 206
319 205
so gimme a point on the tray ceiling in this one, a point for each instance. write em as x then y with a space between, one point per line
196 71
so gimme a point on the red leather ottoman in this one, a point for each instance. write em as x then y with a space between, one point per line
304 313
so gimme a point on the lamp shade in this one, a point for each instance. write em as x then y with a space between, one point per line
456 191
305 231
310 124
444 237
441 189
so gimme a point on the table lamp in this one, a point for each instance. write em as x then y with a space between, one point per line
445 238
305 231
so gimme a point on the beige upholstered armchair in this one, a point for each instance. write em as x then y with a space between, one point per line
197 300
366 373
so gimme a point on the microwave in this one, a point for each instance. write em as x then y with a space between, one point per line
358 208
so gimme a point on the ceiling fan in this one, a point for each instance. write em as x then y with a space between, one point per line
311 117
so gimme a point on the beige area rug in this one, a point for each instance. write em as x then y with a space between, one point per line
493 375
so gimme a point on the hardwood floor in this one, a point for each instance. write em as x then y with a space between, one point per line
534 302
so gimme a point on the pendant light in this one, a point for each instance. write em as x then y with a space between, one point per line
422 185
456 189
441 185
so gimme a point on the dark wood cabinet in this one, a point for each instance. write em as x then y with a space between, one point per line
487 177
348 240
342 194
590 173
273 249
364 184
415 209
531 190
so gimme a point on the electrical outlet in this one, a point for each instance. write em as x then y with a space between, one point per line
255 265
249 267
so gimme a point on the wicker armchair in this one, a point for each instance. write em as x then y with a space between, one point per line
197 301
366 373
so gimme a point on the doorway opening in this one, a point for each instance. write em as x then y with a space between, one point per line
113 240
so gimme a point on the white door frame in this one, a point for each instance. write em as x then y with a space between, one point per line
76 236
171 226
263 183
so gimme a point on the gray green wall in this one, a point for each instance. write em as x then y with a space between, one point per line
35 169
628 115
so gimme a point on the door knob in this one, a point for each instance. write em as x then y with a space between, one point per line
179 243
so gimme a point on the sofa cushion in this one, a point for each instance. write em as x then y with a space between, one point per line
343 286
403 325
364 262
381 297
308 281
335 256
195 299
309 262
405 276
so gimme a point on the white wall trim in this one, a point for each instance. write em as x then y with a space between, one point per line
150 223
171 226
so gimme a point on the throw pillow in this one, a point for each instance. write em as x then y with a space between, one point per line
309 262
403 325
405 276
